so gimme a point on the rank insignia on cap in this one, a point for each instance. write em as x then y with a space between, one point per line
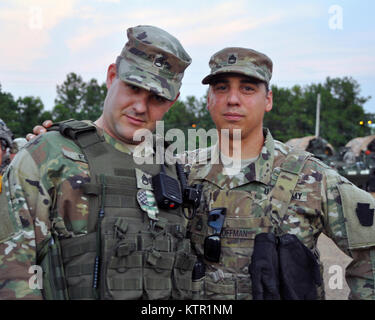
232 59
147 202
145 180
365 214
159 61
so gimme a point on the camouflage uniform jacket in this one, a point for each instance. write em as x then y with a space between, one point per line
322 201
46 174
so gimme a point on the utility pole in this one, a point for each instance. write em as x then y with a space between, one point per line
317 120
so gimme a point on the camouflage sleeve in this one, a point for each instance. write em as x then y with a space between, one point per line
18 237
348 220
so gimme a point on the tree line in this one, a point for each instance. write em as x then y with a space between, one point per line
292 116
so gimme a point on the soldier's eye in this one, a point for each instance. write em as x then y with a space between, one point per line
248 88
134 88
220 87
159 99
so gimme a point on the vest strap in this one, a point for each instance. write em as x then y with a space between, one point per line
282 192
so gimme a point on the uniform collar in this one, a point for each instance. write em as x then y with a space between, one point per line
259 171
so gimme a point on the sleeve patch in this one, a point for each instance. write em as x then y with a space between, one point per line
358 209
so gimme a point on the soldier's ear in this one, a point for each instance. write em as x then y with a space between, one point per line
269 101
111 74
208 97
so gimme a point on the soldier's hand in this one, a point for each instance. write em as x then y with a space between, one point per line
39 129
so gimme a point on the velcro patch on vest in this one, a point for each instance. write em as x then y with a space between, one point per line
144 180
232 233
299 196
147 202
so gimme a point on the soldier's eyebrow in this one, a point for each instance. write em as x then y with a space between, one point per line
216 81
251 81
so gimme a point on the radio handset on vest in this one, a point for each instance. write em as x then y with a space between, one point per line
167 190
191 195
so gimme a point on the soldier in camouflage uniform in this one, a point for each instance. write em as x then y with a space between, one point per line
6 137
272 189
83 210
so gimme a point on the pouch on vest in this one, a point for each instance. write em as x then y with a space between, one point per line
299 270
264 268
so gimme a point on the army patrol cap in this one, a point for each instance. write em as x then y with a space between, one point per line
153 60
240 60
17 145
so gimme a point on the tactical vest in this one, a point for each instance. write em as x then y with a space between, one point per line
124 255
247 215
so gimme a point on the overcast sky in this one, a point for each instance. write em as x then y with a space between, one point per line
43 40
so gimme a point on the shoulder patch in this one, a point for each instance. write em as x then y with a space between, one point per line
358 208
75 156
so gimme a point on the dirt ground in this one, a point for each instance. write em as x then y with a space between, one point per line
333 258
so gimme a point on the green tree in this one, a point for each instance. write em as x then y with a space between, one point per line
179 117
342 110
93 100
294 111
79 99
30 111
199 108
9 111
69 98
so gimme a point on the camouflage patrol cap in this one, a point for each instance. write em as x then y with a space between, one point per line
17 145
240 60
5 134
154 60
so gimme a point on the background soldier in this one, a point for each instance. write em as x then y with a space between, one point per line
80 206
277 190
6 137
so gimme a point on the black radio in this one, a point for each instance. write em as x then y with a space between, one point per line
167 190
